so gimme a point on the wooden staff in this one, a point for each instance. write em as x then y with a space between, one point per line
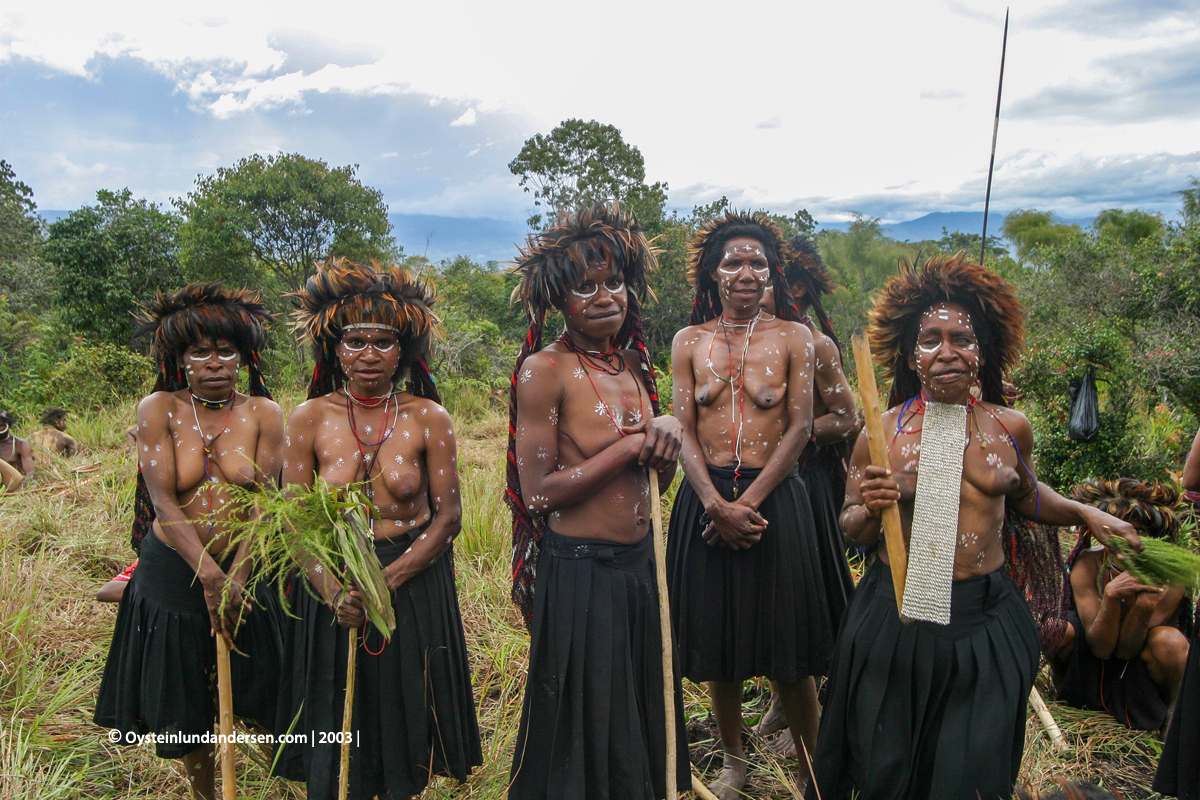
701 790
347 715
225 699
664 623
1043 712
893 529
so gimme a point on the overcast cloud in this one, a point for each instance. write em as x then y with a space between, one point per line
882 108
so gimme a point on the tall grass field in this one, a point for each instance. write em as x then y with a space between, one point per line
66 535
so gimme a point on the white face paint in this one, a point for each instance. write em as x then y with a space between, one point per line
614 285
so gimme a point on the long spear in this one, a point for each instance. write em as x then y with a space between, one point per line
987 200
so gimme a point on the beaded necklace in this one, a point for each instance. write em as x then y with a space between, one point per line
369 459
207 445
737 417
610 362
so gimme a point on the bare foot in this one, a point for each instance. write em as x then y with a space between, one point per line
771 721
783 745
733 779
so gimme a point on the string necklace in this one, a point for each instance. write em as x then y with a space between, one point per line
207 445
212 405
369 459
368 402
603 362
737 416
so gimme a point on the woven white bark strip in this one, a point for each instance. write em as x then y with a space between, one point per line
935 514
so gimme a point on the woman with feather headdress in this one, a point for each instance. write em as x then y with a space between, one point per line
747 595
584 432
824 461
373 418
196 434
933 706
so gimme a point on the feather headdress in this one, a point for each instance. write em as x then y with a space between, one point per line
178 320
804 266
708 248
342 294
996 313
550 263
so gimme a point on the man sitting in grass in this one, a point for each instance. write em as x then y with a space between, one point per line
54 437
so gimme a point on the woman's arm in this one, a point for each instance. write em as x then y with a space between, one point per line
840 421
544 487
268 455
739 526
1191 467
300 469
1036 501
156 457
799 417
445 501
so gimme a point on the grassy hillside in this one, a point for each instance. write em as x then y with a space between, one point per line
60 541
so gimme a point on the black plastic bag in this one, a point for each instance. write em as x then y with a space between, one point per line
1084 422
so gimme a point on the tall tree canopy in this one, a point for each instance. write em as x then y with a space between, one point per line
1129 227
279 215
1033 231
110 257
582 162
24 279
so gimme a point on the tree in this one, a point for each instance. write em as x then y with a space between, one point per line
954 241
24 278
799 224
583 162
111 257
1191 202
1128 227
1033 231
276 217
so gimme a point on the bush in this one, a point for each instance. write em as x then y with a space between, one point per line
99 376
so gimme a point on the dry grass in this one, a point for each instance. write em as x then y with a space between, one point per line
61 541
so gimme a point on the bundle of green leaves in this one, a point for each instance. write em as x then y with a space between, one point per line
1161 563
324 526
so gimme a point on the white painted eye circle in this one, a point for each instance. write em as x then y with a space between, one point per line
591 289
359 345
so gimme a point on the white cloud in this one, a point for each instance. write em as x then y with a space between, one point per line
467 118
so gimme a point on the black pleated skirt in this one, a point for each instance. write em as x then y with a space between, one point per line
925 711
1179 769
1122 688
823 476
593 721
414 712
161 672
742 614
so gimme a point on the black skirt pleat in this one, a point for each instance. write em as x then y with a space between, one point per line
822 474
592 722
742 614
1179 769
1120 687
925 711
414 712
160 676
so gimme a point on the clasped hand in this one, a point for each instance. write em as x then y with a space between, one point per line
664 440
225 591
735 526
348 605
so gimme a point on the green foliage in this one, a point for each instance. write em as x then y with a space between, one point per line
24 278
272 219
480 292
99 375
112 257
1161 563
1129 227
582 162
1191 203
955 241
324 525
1033 231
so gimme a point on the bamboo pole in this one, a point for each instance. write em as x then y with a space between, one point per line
664 621
701 790
347 715
1043 712
893 529
225 702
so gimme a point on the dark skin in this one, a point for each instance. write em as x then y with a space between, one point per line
1191 467
584 465
16 451
947 358
55 439
1128 620
414 472
189 507
777 423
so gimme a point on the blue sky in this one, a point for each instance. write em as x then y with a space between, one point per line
882 108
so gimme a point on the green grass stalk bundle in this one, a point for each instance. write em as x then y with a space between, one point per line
1161 563
325 525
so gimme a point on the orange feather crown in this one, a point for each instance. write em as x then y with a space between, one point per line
997 314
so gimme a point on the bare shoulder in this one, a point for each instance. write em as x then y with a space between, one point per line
686 337
425 409
827 349
544 364
156 404
1016 422
308 411
261 406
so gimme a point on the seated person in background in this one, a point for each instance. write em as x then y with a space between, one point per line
14 450
54 437
1124 652
114 590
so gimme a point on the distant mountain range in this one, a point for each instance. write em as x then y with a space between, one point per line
487 239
